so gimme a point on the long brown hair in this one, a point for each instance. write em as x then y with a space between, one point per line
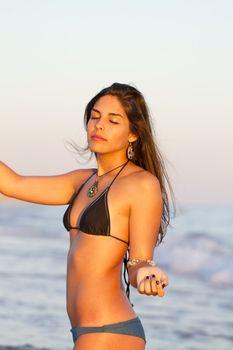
146 152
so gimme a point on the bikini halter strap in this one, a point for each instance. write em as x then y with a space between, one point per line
124 165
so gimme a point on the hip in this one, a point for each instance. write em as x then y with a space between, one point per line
132 327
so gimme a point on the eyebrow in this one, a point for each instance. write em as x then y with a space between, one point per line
111 113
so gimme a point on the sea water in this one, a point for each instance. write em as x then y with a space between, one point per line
197 254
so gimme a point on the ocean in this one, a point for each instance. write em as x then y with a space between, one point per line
197 254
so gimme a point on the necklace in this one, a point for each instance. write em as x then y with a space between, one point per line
91 192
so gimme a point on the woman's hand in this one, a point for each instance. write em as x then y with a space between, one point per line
151 281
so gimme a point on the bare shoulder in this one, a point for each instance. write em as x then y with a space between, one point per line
141 184
78 176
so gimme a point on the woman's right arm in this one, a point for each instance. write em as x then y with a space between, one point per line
51 190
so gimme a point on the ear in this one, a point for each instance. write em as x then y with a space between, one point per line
132 137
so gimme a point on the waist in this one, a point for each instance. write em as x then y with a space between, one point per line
90 307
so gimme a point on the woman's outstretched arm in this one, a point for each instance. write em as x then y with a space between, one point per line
51 190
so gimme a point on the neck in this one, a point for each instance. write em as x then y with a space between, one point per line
107 162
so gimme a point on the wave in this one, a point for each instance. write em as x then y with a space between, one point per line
198 255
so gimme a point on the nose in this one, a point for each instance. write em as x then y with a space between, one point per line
99 124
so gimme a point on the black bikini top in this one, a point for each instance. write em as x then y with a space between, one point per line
95 218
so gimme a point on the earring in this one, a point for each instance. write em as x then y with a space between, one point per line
130 151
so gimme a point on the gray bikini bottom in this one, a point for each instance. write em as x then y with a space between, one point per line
129 327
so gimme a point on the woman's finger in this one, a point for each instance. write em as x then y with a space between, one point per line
164 278
164 282
147 285
141 287
160 289
153 285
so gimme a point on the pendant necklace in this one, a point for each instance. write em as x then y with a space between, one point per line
91 192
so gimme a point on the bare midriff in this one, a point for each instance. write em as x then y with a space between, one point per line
95 295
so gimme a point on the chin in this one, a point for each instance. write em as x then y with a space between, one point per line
95 147
103 149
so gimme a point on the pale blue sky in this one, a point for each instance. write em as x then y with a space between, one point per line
55 55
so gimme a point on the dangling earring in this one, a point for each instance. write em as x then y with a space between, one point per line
130 151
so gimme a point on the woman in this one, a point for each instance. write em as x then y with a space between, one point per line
119 208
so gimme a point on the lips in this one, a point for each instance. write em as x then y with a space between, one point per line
97 138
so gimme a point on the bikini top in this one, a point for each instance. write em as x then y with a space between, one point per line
95 218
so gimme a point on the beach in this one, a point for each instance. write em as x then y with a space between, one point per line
197 254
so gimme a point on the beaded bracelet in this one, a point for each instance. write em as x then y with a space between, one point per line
136 261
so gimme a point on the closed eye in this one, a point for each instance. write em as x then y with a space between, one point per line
96 117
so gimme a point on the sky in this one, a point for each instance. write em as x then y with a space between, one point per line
56 55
